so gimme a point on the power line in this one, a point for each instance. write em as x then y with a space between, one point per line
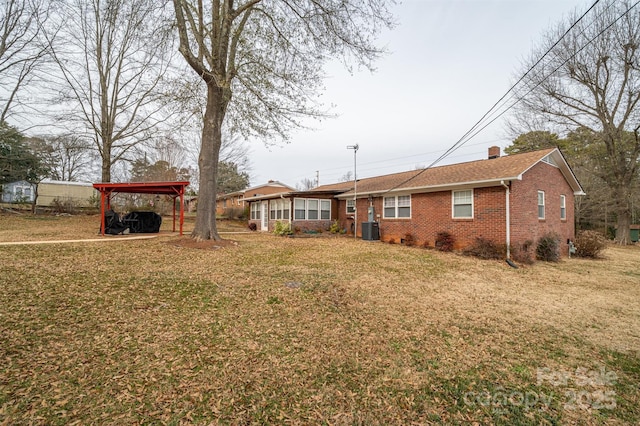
491 111
481 124
463 139
555 69
418 157
473 131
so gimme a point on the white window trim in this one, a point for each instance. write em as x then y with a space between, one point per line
396 207
563 207
255 211
544 213
277 209
286 207
295 209
273 208
324 210
316 209
353 202
453 204
306 208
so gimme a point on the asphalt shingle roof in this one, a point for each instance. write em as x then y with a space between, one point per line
506 167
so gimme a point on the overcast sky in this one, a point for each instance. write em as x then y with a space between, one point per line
449 62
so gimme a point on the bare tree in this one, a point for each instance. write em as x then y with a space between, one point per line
66 157
186 100
168 149
591 80
347 176
111 54
21 51
306 184
235 150
262 62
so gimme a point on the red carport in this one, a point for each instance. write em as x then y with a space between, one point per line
172 189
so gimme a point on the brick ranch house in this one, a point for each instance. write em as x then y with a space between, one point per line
236 200
507 199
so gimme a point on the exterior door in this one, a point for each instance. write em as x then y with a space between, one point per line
265 216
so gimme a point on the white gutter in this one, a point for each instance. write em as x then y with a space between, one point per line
435 188
508 218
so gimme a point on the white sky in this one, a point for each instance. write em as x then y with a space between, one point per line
450 61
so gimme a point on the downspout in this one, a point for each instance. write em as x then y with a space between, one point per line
508 218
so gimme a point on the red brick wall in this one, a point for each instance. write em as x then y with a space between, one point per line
308 225
431 213
297 225
525 224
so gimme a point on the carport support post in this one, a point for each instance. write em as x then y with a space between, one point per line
105 199
355 190
181 210
174 214
181 195
102 200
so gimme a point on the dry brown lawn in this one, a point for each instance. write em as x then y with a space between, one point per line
327 330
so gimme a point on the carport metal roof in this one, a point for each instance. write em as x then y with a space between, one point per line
173 189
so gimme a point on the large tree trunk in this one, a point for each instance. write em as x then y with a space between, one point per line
106 168
106 173
104 148
623 213
35 198
621 177
205 227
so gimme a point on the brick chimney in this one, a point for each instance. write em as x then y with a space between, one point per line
494 152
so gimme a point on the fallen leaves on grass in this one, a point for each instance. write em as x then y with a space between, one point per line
145 332
191 243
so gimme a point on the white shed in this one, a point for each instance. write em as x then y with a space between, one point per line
17 192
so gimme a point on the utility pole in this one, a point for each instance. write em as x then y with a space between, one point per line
355 189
